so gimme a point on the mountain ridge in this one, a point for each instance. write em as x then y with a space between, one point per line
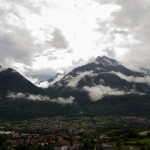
102 87
11 80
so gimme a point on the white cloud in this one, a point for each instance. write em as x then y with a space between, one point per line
15 95
58 41
2 69
133 18
59 100
57 78
145 79
72 30
98 92
73 81
37 74
64 29
62 100
44 84
110 52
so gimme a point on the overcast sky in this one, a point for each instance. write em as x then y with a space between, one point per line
42 37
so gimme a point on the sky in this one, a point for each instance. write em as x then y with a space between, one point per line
44 37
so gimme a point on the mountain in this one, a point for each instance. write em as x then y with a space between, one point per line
20 99
102 87
103 72
106 87
11 80
58 77
145 71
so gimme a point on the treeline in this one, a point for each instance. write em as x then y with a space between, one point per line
138 105
26 109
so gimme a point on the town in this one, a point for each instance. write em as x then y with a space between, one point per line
76 133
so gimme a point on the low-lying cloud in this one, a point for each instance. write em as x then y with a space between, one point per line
33 97
98 92
44 84
73 81
145 79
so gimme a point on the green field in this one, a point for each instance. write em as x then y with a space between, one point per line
140 142
130 148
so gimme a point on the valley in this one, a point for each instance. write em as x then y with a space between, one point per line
80 132
101 105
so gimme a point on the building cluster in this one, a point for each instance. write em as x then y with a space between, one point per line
59 143
60 132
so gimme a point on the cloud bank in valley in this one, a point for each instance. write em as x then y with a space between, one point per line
73 81
144 79
98 92
33 97
44 84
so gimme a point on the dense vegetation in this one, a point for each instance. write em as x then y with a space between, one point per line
25 109
117 105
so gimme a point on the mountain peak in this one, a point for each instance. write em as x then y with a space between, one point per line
106 60
60 74
2 69
58 77
8 70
